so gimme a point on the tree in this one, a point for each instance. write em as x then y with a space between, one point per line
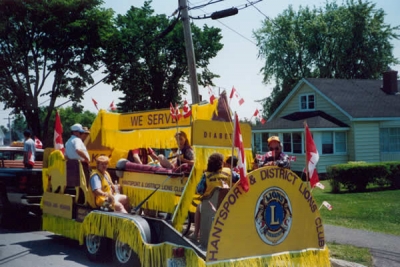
348 42
48 49
146 58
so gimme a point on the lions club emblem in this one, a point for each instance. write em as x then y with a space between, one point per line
273 216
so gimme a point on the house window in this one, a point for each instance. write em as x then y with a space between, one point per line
264 142
333 142
390 139
292 143
307 102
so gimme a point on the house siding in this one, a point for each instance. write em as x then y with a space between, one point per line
367 146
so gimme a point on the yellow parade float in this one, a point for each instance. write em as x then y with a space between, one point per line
275 223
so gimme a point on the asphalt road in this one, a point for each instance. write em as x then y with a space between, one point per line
385 249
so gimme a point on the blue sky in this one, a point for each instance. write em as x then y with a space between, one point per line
237 63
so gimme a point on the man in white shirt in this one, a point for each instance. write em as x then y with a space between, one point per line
75 148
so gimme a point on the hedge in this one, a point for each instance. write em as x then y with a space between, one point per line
356 176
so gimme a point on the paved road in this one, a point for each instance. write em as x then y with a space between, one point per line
385 249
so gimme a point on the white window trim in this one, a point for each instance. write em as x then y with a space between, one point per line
307 104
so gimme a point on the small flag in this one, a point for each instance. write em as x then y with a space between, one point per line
320 185
312 157
186 110
292 158
172 111
211 94
31 159
327 205
238 143
235 93
112 106
95 103
178 114
256 113
38 143
58 130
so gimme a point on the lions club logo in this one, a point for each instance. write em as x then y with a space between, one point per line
273 216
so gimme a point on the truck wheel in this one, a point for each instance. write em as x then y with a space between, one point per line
123 255
97 247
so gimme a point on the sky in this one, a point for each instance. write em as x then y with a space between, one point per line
237 63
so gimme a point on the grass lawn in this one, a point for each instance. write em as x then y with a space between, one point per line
376 211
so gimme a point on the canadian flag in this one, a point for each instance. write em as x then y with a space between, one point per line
38 143
292 158
211 94
31 159
238 143
95 103
186 109
58 130
327 205
112 106
235 93
172 111
259 116
320 185
312 158
178 114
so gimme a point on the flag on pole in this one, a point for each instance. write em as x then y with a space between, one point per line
312 157
327 205
235 93
58 130
95 103
256 113
172 111
186 110
238 143
112 106
211 94
38 143
178 114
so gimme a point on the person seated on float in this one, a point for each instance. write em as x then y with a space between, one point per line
275 157
216 175
185 154
231 162
74 147
104 190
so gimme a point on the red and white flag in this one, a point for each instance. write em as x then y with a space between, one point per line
31 159
58 130
238 143
112 106
178 114
187 112
172 111
38 143
211 94
320 185
235 93
292 158
312 158
95 103
327 205
258 115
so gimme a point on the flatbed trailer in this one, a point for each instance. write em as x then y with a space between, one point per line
275 223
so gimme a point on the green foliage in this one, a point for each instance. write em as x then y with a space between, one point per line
146 58
348 42
48 48
356 176
68 116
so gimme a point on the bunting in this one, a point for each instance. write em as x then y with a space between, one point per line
235 93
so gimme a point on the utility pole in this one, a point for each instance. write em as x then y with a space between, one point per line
189 51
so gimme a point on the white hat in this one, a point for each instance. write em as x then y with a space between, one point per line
77 128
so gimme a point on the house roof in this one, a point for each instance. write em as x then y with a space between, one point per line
359 98
315 119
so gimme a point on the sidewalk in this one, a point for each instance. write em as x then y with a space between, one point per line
385 249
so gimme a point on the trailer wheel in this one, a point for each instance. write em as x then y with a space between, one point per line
123 255
97 247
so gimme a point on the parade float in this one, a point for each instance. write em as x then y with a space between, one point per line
275 223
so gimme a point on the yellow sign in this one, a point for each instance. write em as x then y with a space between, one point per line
153 181
217 133
96 153
149 120
58 204
277 214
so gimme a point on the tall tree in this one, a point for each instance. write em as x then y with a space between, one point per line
146 58
349 42
48 49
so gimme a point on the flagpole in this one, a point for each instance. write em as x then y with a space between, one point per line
305 141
